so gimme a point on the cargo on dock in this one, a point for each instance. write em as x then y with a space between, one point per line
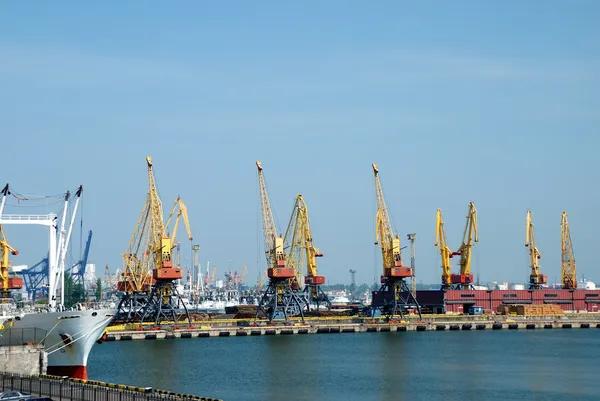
495 301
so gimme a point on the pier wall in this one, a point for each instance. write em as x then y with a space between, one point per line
23 359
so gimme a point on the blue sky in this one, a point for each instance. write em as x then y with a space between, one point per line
494 102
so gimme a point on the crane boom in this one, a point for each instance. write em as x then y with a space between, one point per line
442 243
568 266
274 249
536 279
470 236
385 236
136 275
181 212
301 244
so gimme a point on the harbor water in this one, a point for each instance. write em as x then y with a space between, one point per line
490 365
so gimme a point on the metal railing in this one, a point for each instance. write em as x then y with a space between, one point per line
11 337
65 389
35 217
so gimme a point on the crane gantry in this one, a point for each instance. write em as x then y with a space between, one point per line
536 279
149 271
282 295
568 266
394 296
7 283
302 251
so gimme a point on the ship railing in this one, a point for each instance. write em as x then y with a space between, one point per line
10 337
28 217
63 389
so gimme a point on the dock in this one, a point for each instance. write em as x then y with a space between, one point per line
243 328
64 388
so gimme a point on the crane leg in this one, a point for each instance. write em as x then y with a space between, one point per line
131 307
280 300
165 304
393 298
315 294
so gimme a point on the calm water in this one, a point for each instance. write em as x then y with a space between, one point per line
490 365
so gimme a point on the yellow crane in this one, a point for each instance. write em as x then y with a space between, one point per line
137 277
243 275
568 267
536 279
394 296
181 209
445 253
281 297
302 251
7 283
464 280
149 271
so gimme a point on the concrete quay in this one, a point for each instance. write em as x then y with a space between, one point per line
221 330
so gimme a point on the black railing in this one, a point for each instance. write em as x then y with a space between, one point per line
11 337
65 389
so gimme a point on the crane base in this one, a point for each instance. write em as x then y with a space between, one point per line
394 298
315 295
165 305
281 301
130 307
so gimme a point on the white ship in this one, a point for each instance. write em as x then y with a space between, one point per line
68 335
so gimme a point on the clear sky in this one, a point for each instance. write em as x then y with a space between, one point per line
493 102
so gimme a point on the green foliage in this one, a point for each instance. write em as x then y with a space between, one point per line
98 289
74 292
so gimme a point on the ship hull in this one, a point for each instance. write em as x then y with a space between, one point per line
69 337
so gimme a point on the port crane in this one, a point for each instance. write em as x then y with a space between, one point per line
302 251
568 266
149 272
164 302
536 279
464 280
445 253
7 283
282 295
394 296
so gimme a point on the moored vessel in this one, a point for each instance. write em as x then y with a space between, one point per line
68 336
